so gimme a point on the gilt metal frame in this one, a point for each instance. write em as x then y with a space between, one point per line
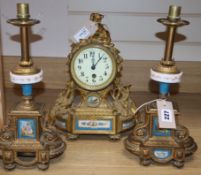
115 103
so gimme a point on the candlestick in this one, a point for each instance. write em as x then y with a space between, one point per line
158 136
27 135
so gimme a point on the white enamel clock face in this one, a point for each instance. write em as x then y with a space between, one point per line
93 68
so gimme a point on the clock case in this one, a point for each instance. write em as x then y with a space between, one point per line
108 110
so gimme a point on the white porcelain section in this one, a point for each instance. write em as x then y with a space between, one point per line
26 79
167 78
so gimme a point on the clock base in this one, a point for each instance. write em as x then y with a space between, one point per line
70 136
113 137
96 121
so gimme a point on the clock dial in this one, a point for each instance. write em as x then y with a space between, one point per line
93 68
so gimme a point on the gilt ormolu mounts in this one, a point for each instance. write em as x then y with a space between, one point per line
26 140
94 100
148 141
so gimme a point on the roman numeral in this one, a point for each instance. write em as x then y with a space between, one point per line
92 54
85 55
80 61
79 67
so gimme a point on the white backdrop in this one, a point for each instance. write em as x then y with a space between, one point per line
53 28
132 24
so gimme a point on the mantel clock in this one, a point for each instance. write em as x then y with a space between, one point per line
94 100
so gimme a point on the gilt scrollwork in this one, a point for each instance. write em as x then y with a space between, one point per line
51 140
122 103
63 101
6 137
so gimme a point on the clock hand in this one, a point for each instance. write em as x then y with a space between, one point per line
92 60
94 65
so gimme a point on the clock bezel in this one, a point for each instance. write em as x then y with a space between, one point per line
85 86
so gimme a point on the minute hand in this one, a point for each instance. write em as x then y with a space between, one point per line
94 66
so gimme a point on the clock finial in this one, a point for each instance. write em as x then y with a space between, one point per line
101 33
96 17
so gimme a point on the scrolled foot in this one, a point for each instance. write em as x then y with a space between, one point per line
10 166
115 137
178 164
42 166
72 136
145 162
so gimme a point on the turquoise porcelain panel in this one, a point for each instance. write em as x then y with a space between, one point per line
162 153
27 128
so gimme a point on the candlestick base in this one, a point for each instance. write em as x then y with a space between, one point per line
26 141
153 144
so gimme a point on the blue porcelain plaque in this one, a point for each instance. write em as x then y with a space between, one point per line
26 128
162 153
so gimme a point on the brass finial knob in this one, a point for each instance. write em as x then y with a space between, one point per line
23 11
174 12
